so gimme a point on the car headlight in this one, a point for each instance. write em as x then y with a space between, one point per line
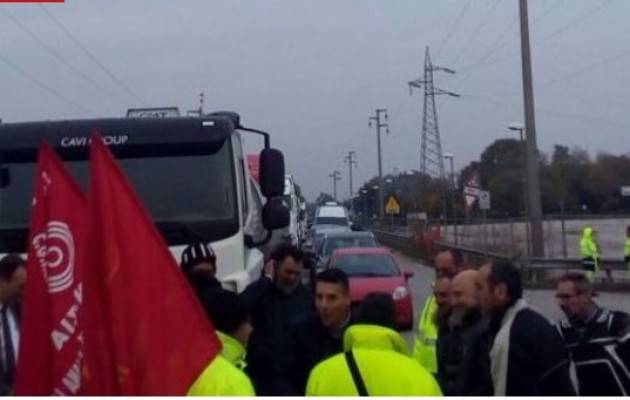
400 293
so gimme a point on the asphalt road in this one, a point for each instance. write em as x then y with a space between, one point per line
542 300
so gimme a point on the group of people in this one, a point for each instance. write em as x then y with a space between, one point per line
301 340
476 334
480 337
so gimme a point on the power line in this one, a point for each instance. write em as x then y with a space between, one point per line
498 46
579 19
452 28
477 30
562 115
92 57
44 86
53 52
574 73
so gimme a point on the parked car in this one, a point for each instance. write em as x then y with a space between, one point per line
375 269
318 232
333 240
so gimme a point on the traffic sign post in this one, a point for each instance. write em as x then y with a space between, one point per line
392 208
484 200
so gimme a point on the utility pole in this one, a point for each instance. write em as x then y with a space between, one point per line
453 184
336 176
379 125
533 177
350 159
431 157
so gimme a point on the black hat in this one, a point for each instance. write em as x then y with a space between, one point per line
225 309
195 254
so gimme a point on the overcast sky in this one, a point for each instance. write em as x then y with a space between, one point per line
312 72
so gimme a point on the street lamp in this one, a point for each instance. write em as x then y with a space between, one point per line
517 126
451 158
520 128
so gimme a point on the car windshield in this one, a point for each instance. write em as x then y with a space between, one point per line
187 196
332 221
367 265
333 243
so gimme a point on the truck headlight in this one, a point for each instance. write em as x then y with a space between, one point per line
400 293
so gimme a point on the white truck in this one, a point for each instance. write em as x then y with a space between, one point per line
190 173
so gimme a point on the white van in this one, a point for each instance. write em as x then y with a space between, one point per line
332 215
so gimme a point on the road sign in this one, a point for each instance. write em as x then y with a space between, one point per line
471 191
625 191
484 200
392 207
472 187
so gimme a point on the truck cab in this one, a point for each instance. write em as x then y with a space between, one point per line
189 172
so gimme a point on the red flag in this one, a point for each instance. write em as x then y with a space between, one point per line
145 332
50 341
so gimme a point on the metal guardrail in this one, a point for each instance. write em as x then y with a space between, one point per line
533 262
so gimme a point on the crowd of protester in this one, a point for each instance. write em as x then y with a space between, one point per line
476 334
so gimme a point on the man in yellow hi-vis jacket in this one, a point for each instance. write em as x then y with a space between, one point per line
375 361
590 253
224 376
447 264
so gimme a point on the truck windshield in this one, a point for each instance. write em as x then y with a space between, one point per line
189 197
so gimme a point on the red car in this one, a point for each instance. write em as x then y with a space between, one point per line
374 269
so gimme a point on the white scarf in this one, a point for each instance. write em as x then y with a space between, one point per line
501 349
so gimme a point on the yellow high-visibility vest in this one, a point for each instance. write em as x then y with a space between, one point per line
383 363
424 349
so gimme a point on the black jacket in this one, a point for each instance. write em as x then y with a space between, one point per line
269 351
600 352
537 363
6 379
463 360
312 343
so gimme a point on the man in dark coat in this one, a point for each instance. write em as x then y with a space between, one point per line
597 339
320 335
462 355
526 357
12 283
275 303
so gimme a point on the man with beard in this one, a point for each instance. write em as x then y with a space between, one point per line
275 304
441 293
448 263
463 365
526 355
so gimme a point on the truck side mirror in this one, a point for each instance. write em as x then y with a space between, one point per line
271 173
275 214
